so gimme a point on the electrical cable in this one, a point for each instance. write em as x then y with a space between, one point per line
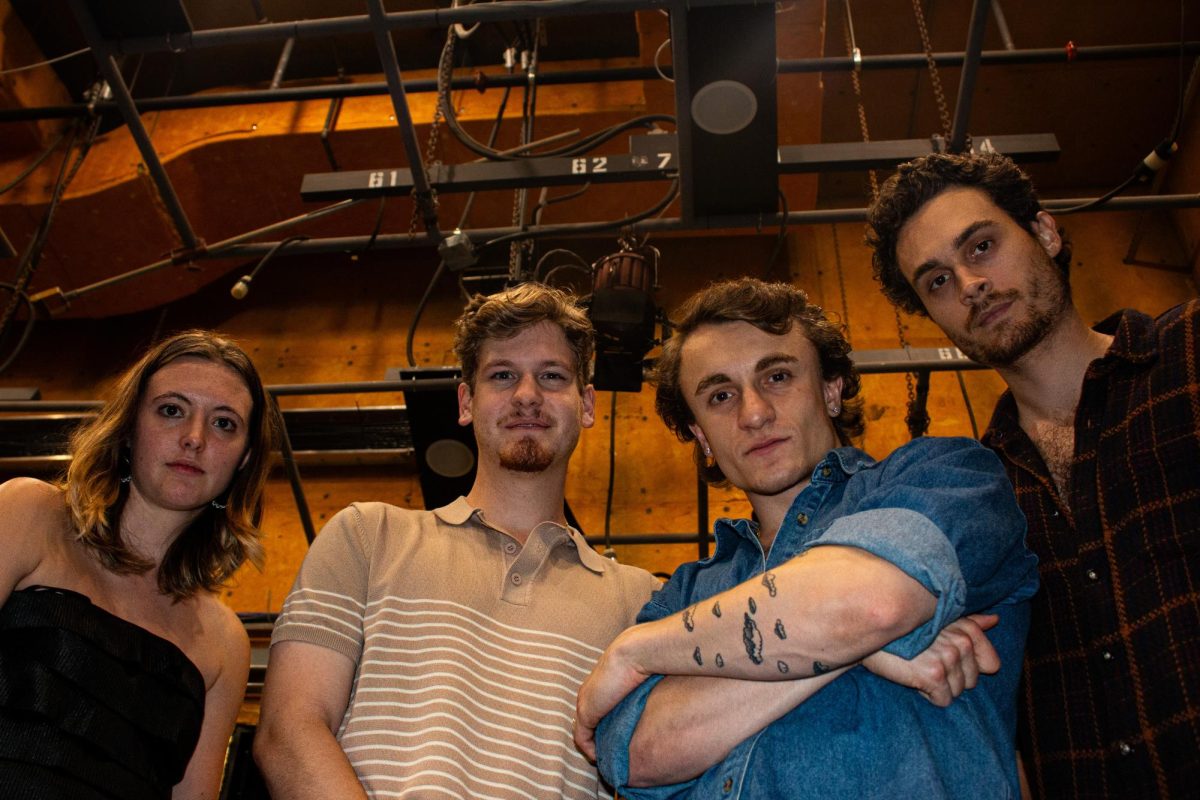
545 201
1157 158
579 262
770 274
37 162
594 227
441 268
47 62
378 225
28 325
242 287
612 477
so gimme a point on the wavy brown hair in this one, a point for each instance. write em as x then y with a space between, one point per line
505 314
770 307
218 541
916 183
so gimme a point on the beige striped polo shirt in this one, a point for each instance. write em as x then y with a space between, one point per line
469 648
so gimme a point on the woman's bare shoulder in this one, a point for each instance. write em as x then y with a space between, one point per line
33 519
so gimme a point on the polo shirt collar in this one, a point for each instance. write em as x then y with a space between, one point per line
460 511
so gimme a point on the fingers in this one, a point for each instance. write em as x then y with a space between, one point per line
585 739
985 655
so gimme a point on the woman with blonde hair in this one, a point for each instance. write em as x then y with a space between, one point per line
121 672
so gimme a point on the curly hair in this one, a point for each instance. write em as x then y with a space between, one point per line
770 307
218 541
505 314
919 181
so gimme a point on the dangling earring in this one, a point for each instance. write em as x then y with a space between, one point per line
126 474
217 505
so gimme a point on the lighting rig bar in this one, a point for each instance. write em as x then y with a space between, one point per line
652 157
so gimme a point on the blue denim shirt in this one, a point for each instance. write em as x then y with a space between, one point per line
943 511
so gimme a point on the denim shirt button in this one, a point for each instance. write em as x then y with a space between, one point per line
728 786
802 518
826 472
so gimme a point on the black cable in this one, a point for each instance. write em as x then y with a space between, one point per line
612 475
967 400
37 162
549 201
579 262
375 230
595 227
28 325
770 274
242 287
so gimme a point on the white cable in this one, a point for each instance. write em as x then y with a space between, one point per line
47 62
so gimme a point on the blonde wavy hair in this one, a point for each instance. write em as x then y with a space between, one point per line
218 541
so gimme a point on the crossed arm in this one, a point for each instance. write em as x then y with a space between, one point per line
802 623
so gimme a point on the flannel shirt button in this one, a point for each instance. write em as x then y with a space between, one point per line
1091 575
802 519
728 786
1125 748
1055 514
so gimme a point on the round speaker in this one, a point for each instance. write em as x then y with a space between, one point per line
449 458
724 107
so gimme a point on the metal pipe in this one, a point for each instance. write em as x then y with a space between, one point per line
422 192
683 114
293 473
218 250
1002 26
129 112
281 67
232 248
339 26
571 77
970 70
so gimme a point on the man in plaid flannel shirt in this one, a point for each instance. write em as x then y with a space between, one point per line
1100 434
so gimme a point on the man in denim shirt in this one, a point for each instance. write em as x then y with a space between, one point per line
745 679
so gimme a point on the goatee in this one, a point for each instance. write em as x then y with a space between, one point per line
526 455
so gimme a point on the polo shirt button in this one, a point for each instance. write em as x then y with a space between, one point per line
1125 748
1091 575
510 547
728 787
802 519
516 579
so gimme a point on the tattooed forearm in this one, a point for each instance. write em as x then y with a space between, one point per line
768 580
720 662
716 609
752 638
698 658
779 631
689 614
753 606
820 669
782 666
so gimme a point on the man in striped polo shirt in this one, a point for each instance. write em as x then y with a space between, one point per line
438 653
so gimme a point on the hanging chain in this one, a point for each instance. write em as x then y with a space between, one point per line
911 417
432 153
938 93
837 260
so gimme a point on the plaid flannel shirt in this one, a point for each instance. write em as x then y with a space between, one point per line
1110 699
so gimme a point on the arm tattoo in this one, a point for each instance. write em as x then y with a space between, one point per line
720 661
820 669
752 638
716 609
782 666
688 618
753 606
779 631
769 582
696 656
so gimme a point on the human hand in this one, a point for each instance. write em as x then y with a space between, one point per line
614 677
949 666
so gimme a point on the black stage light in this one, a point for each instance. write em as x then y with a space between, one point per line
445 451
622 311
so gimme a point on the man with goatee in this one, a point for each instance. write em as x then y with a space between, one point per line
438 653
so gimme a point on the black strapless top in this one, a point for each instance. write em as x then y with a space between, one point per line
92 707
